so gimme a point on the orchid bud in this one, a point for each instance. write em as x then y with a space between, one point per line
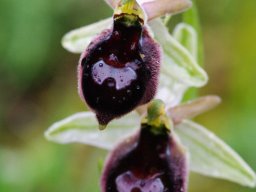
119 70
149 161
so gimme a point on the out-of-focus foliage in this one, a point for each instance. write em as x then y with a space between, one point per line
38 87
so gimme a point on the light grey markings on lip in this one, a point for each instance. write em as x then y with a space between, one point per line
127 182
122 77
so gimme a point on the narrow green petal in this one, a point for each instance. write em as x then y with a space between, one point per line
187 36
178 62
210 156
77 40
83 128
192 18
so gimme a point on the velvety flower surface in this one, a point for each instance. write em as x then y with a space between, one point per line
119 70
149 161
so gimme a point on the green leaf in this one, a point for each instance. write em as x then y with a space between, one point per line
178 63
77 40
83 128
210 156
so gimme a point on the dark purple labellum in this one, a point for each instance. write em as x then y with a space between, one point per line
147 162
119 70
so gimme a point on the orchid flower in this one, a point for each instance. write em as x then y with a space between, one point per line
208 154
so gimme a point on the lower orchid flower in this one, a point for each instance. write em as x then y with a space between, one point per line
150 160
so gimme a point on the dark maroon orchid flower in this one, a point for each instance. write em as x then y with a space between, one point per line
119 70
149 161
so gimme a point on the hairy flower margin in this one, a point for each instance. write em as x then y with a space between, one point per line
180 70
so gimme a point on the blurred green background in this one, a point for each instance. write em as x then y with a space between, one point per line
38 87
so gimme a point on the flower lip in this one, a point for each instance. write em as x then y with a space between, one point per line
129 182
119 70
146 162
150 160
